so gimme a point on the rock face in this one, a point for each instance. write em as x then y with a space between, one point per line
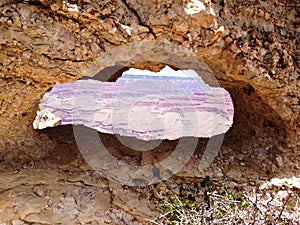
44 42
149 106
252 47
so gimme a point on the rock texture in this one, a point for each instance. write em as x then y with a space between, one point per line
44 42
251 46
168 104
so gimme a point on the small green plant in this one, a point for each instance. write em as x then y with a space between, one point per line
175 210
221 205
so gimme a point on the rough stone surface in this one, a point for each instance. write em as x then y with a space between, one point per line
251 46
43 42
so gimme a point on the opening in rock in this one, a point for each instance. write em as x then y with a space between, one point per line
168 104
255 139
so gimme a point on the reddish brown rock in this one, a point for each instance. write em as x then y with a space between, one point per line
251 46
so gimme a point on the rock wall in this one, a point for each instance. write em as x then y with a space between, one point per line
43 42
251 46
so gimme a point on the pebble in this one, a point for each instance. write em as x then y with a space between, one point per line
233 174
279 161
38 191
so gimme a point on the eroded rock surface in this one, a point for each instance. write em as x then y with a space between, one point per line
251 46
44 42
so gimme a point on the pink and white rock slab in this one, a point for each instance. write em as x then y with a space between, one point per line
143 104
